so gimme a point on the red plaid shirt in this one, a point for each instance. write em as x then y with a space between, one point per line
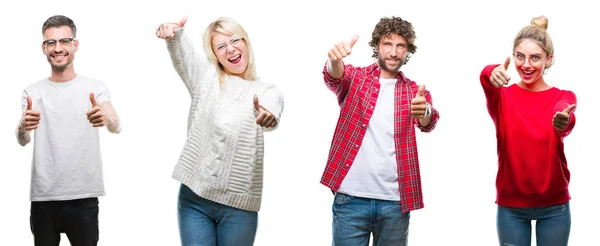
357 91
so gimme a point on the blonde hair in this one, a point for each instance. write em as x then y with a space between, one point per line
537 33
229 27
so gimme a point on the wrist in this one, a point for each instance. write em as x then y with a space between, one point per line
427 111
21 128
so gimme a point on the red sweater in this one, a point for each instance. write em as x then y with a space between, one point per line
532 167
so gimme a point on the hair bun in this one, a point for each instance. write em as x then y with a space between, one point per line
540 21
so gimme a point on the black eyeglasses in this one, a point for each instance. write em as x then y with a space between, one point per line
52 42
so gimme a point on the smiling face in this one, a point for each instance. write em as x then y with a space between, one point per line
231 52
59 47
531 61
391 54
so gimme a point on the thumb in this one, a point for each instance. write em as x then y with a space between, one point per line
506 63
183 21
421 91
569 109
256 105
353 40
93 99
29 103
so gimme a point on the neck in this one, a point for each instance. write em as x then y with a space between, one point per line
63 76
538 85
387 75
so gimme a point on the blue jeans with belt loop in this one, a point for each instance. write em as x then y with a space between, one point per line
355 218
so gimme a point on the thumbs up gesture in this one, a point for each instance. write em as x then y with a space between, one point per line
418 107
499 76
342 49
95 115
264 118
31 118
167 30
560 119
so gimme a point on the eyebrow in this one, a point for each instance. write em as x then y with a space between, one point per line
534 54
390 42
232 37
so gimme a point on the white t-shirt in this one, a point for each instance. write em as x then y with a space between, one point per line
374 173
66 162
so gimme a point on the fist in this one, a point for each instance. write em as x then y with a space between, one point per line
342 49
499 76
418 106
31 118
560 119
95 115
167 30
264 118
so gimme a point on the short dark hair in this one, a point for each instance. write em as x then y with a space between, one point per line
58 21
393 25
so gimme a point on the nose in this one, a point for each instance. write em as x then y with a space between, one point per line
58 48
394 53
230 48
527 63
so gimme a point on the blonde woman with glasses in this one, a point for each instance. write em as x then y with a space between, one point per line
532 118
221 165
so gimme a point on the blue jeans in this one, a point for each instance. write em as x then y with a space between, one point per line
207 223
553 225
355 218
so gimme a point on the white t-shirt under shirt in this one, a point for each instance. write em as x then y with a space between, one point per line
374 173
66 162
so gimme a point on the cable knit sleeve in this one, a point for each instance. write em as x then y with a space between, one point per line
186 61
272 101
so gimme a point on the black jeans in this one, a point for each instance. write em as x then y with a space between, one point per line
76 218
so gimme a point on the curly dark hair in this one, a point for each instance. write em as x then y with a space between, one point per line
394 25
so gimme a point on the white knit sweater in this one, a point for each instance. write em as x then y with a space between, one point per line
222 159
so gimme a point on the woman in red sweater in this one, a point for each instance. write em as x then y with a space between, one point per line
531 118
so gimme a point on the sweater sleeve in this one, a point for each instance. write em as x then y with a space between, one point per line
492 94
568 98
187 63
272 101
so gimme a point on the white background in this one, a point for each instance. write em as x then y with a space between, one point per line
455 41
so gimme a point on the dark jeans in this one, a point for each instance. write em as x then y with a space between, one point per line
76 218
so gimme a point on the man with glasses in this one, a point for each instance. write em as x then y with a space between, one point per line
65 111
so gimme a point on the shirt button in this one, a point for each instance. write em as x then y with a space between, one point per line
357 146
371 106
364 125
376 90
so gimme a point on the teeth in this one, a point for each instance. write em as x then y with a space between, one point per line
236 57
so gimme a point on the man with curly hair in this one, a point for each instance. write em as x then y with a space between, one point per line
373 165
